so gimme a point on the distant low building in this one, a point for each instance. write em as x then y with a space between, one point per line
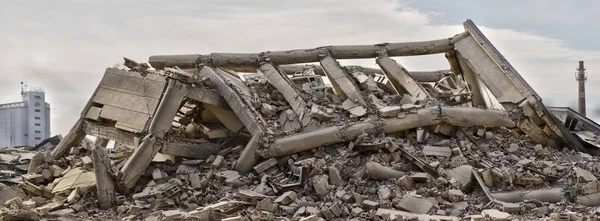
25 123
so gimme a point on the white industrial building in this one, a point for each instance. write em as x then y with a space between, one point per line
25 123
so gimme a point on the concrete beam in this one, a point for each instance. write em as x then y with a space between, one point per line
251 119
420 76
235 100
73 138
248 158
104 182
510 89
251 60
190 150
346 87
207 96
553 195
110 133
457 116
400 78
284 85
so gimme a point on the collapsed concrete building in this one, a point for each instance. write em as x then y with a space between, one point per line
266 129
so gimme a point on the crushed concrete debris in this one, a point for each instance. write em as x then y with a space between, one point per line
258 137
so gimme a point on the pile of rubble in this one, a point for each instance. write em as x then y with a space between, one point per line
253 137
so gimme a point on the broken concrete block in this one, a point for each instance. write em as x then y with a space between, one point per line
369 205
266 205
356 211
217 162
462 174
34 178
269 110
47 174
336 210
384 193
62 212
406 181
488 177
228 175
265 165
489 135
86 160
511 208
437 151
74 196
347 198
158 175
286 198
421 135
414 204
320 113
321 185
514 147
185 169
195 181
390 111
310 218
56 170
251 195
29 204
422 177
454 195
494 214
171 215
590 187
134 209
480 132
379 172
335 177
354 108
327 214
585 175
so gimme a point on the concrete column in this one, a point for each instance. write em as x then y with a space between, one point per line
161 124
104 182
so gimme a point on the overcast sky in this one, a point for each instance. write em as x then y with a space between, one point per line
64 46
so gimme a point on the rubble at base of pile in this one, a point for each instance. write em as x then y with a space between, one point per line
337 186
207 143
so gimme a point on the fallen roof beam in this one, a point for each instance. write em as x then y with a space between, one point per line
73 138
126 138
457 116
400 78
510 89
235 100
251 120
251 60
207 96
190 150
346 87
284 85
421 76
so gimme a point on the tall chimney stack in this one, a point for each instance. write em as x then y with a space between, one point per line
581 77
